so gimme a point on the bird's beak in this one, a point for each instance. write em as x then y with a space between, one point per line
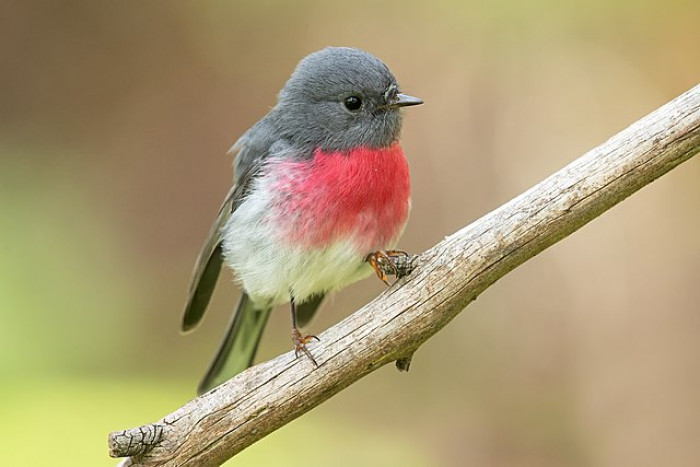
404 100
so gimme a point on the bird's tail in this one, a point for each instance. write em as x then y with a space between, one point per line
237 349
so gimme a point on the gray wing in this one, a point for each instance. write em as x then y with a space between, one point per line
207 267
253 147
307 310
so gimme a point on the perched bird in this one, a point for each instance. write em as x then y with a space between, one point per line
321 192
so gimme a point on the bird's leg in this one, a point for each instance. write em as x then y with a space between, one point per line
299 340
391 262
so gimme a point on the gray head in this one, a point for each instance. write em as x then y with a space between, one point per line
340 98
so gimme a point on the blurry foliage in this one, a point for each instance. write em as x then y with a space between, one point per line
114 122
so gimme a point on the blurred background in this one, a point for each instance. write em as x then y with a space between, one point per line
115 118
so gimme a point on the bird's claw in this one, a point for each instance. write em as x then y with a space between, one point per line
390 262
300 344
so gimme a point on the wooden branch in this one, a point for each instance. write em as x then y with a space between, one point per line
214 427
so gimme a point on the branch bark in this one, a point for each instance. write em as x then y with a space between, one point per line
214 427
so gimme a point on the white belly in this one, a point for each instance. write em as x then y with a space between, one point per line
270 271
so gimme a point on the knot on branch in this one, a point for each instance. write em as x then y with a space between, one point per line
404 363
135 441
453 273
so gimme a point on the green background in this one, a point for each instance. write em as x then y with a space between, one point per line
114 122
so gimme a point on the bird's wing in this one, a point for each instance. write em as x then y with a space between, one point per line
207 268
306 310
251 153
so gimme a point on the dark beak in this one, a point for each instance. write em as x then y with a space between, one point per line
404 100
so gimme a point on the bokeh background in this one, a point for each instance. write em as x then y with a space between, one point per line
114 122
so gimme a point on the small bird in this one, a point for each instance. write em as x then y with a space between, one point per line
320 196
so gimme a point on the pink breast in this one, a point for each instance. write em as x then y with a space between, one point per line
362 196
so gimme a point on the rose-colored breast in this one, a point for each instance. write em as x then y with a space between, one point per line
362 196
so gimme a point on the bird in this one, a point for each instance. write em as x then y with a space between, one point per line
320 197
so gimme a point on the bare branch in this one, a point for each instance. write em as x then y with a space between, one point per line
214 427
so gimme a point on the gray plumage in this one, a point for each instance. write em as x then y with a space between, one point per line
312 112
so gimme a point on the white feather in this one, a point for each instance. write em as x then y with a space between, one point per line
270 270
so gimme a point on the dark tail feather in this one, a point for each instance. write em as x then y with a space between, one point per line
237 350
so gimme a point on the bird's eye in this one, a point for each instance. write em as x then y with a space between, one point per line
352 103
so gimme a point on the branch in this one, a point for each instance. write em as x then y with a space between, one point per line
214 427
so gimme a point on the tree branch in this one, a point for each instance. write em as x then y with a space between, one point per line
214 427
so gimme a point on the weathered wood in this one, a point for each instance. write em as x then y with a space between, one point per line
212 428
135 441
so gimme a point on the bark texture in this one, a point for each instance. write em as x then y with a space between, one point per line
214 427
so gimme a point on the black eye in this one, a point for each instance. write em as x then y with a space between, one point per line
352 103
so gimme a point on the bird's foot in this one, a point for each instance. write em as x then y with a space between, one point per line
300 344
391 262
